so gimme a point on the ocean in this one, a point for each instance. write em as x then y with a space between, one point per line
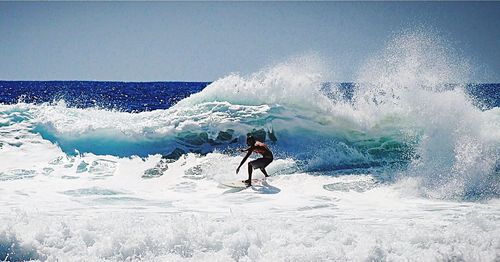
402 164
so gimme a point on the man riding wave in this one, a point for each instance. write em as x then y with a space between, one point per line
260 163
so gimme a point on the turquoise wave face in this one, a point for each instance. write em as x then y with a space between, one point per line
315 141
323 143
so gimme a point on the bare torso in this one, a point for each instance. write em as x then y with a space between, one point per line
262 149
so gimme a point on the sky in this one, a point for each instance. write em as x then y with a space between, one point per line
204 41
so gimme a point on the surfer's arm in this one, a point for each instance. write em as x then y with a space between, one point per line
245 150
244 159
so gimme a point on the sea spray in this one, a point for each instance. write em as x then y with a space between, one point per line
418 77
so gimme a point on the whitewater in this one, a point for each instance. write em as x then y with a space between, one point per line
405 168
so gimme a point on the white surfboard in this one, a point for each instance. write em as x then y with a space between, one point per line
239 183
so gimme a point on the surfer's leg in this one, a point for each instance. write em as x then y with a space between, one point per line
264 171
264 163
250 169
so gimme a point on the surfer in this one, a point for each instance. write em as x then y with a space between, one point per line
260 163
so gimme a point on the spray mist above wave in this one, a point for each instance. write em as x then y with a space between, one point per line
411 78
295 82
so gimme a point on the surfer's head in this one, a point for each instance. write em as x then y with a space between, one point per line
250 140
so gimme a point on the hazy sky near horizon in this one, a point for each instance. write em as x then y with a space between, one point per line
203 41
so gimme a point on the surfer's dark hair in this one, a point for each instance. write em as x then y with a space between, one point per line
250 137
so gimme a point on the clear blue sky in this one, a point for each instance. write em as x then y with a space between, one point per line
203 41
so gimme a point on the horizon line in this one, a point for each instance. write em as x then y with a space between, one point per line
183 81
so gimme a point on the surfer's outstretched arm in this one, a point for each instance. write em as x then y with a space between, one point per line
245 150
244 159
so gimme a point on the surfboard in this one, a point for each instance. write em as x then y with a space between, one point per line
239 183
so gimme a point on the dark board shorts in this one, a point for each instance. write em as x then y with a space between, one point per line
260 163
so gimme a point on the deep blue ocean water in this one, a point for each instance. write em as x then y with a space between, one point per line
147 96
122 96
